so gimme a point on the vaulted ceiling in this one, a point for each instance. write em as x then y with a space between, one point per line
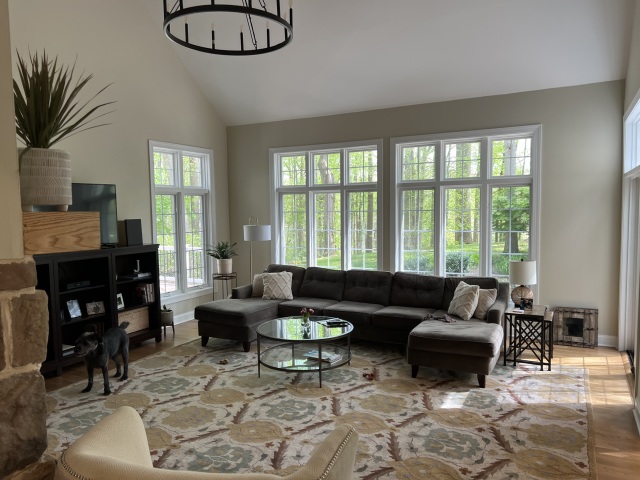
356 55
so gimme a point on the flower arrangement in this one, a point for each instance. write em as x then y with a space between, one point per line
306 313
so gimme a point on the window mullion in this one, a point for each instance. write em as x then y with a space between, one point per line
485 213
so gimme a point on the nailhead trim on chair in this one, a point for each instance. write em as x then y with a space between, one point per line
344 442
70 470
324 475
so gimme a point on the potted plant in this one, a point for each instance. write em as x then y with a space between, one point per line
48 110
223 252
166 319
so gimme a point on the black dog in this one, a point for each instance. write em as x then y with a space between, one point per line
97 350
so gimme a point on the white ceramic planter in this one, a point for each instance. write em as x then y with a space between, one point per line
225 265
45 178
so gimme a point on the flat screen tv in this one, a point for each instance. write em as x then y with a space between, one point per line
94 197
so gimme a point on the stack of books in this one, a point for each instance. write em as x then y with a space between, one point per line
145 293
133 276
330 358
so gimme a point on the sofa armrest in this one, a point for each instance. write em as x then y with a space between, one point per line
333 458
119 438
242 292
496 311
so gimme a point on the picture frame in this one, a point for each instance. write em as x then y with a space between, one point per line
95 308
120 301
74 309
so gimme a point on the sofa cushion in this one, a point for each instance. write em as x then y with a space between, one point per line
355 312
366 286
291 308
277 286
450 284
234 312
321 282
297 272
470 339
400 318
465 301
486 298
414 290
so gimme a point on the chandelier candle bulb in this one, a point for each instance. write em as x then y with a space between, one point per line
186 29
290 14
268 35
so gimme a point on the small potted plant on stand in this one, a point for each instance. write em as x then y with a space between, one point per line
223 252
166 319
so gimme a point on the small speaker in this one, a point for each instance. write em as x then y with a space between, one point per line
132 232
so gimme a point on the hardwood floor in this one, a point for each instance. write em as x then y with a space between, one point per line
185 332
616 439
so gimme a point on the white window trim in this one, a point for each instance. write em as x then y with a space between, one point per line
209 214
305 149
397 187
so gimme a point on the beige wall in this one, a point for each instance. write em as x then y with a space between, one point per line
581 178
10 213
633 66
157 99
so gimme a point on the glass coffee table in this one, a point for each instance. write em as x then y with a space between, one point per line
301 346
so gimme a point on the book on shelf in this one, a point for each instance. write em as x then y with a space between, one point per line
67 349
327 357
145 293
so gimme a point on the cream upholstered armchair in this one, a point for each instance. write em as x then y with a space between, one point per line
117 448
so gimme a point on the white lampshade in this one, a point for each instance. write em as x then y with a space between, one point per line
522 273
257 233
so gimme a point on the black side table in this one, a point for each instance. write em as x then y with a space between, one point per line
529 331
224 279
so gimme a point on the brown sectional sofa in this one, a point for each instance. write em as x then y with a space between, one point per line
382 306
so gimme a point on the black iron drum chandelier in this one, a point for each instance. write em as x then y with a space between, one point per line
215 16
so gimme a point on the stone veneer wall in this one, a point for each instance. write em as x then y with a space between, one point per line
23 346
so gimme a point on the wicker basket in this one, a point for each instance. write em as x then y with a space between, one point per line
138 319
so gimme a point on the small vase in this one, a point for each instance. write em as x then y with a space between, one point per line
306 328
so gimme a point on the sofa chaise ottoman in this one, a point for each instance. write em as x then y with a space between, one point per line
462 346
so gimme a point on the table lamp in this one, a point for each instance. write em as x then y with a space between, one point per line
522 273
255 233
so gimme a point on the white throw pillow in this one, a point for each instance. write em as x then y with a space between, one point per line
465 300
486 298
257 290
277 286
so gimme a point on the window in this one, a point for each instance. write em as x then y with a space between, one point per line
180 198
326 205
464 203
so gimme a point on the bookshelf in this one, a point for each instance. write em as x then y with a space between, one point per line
94 290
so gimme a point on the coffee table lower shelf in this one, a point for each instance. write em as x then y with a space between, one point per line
289 357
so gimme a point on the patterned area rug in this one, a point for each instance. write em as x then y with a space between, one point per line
202 414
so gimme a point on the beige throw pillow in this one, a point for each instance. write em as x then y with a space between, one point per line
257 290
486 298
277 286
465 300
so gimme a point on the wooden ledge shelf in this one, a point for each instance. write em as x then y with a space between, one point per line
55 232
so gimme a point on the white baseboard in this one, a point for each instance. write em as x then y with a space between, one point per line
608 341
183 317
636 414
